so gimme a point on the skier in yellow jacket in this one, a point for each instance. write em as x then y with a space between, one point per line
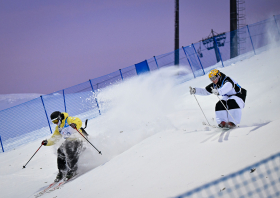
69 151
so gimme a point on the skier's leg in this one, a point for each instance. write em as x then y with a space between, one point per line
61 159
235 106
73 150
61 163
221 113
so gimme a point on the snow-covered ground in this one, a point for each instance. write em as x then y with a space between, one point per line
153 141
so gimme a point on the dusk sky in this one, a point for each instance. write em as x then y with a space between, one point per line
49 45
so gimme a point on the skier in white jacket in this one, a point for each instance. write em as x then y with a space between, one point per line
233 97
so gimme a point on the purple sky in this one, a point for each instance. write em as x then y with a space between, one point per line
46 46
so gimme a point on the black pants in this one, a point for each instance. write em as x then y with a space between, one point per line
231 103
68 155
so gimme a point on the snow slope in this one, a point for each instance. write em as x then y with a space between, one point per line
152 139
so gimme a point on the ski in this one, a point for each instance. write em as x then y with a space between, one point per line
53 186
224 128
61 183
45 189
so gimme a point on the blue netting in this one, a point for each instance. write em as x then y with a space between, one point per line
244 47
177 57
208 54
261 179
107 80
165 59
168 59
263 34
129 72
194 60
82 100
23 123
152 62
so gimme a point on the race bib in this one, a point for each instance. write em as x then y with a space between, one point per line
67 132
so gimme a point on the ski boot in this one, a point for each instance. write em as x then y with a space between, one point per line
59 176
231 125
69 175
222 124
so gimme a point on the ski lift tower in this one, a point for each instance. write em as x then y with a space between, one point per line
213 41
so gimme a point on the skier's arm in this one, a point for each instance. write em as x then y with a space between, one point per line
54 138
204 91
225 89
201 92
76 121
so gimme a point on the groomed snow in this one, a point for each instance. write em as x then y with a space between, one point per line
153 141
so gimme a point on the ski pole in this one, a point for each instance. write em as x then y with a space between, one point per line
32 156
88 141
201 108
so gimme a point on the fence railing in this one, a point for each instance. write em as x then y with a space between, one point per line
261 179
30 120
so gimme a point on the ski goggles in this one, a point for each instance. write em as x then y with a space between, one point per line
213 78
55 121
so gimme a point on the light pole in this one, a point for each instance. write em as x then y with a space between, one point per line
176 58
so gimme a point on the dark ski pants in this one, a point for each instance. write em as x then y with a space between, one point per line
68 155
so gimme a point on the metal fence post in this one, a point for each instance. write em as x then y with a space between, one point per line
156 62
121 73
95 97
219 51
64 100
46 112
188 61
198 59
251 39
2 144
276 24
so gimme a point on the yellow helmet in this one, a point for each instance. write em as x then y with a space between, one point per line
214 74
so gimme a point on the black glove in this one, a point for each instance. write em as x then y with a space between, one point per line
44 142
73 125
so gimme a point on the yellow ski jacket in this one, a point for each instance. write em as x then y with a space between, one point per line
66 121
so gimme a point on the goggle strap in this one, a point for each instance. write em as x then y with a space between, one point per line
56 118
